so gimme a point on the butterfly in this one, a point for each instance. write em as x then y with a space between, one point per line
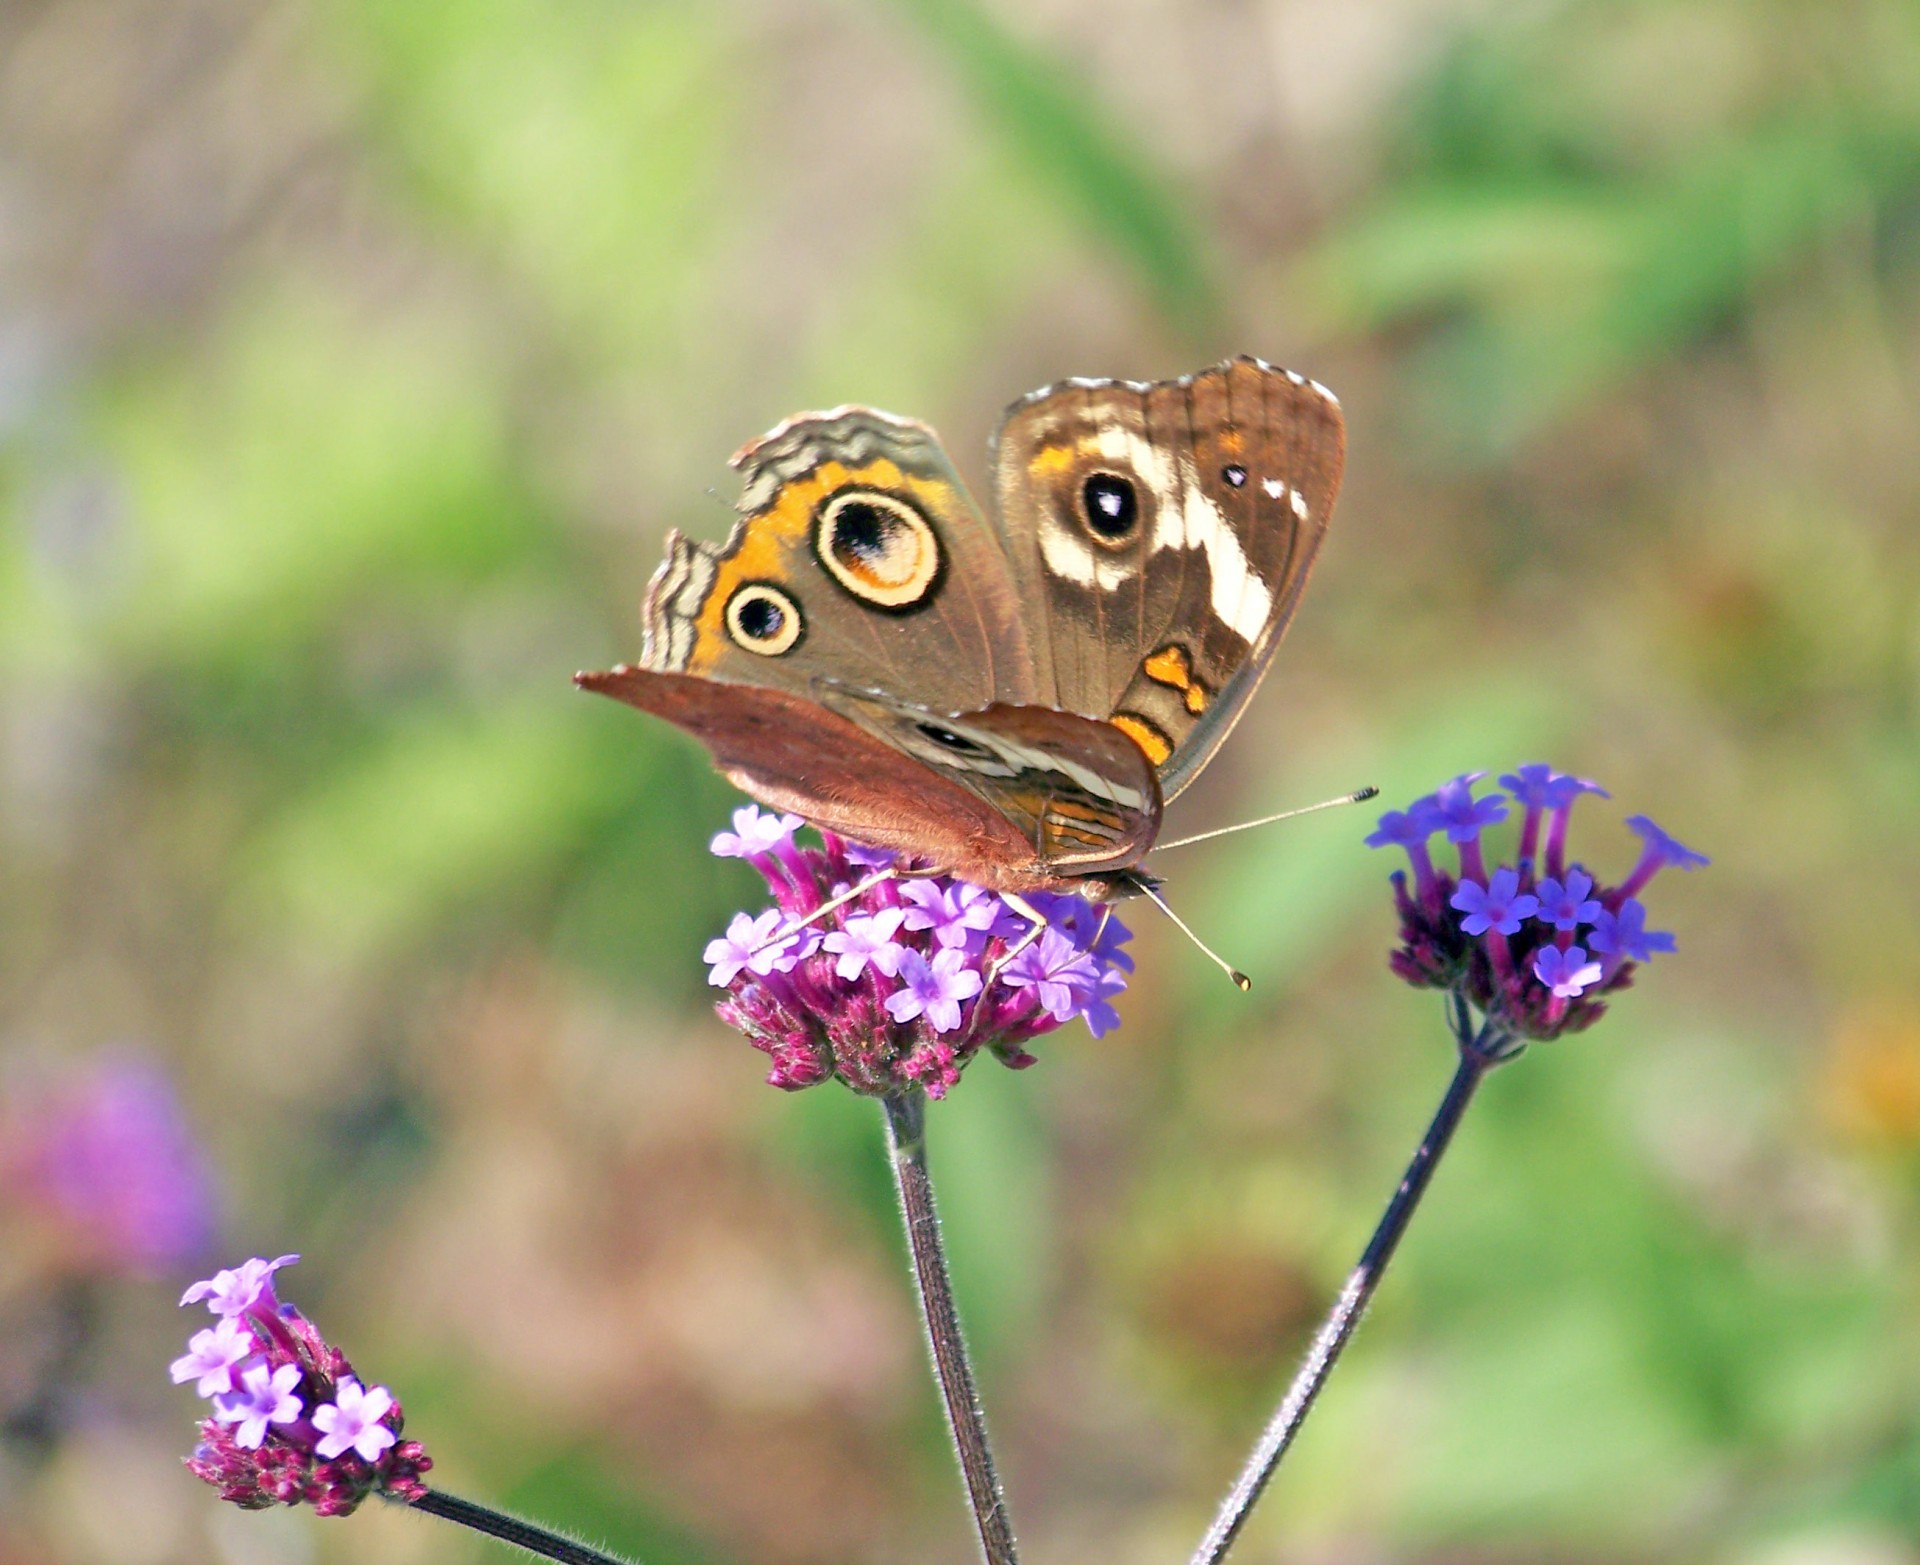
1008 699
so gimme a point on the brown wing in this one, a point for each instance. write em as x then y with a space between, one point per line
1160 535
859 558
1011 798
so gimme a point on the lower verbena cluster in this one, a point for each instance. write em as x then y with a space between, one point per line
904 982
1534 944
291 1423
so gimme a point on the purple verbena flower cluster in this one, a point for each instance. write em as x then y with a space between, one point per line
291 1422
903 984
1535 944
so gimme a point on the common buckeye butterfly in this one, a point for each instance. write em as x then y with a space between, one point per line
1008 700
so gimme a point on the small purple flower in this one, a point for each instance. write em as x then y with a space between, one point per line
870 858
265 1397
1625 934
235 1290
1092 927
1460 815
866 941
749 943
351 1422
958 913
1537 786
1566 973
1497 905
211 1356
1101 1017
1564 904
934 989
1659 852
1407 828
1060 974
754 832
1410 829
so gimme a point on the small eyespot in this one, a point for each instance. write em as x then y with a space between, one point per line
878 547
947 739
763 619
1111 507
1234 474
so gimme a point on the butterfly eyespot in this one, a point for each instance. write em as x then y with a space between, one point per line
947 739
1233 475
880 548
763 619
1111 506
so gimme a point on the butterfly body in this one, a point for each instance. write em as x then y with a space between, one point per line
1008 700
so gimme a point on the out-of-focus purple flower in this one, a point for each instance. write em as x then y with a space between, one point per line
298 1427
265 1396
1411 829
1497 905
754 832
902 985
104 1155
1537 786
934 989
1461 816
1564 904
1504 942
1659 851
351 1422
1408 828
1566 973
211 1356
238 1289
1624 934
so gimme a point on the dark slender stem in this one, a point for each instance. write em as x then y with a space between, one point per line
907 1141
1478 1054
511 1529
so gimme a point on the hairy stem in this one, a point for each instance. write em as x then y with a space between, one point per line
536 1540
907 1142
1479 1053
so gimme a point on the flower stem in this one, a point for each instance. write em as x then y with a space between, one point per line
536 1540
907 1142
1479 1053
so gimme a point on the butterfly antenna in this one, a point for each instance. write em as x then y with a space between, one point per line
781 936
1146 889
1358 796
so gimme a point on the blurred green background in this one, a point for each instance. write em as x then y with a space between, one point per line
354 356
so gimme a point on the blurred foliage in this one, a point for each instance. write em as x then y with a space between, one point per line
354 358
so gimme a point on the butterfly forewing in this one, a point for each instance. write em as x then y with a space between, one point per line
859 557
1161 535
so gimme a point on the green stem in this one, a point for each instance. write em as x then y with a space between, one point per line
907 1142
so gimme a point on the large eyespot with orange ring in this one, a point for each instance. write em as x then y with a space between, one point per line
763 619
880 548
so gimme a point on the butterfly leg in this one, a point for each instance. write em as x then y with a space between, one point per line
781 936
1036 927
